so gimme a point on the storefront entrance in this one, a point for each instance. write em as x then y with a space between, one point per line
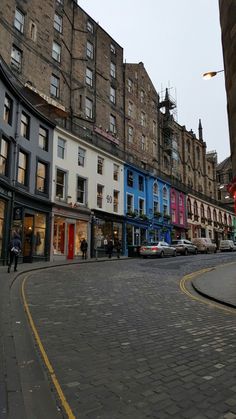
71 241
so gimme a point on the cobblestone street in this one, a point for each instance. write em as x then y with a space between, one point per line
125 342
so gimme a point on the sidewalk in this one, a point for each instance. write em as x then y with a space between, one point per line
219 284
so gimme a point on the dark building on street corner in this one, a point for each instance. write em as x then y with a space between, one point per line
25 172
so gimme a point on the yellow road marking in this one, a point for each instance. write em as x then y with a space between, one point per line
45 357
188 277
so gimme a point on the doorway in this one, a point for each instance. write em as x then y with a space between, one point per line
28 238
71 241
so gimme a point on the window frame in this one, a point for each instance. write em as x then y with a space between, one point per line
112 95
56 51
5 158
16 63
83 191
112 124
116 200
81 156
100 195
113 70
58 23
88 108
19 23
89 50
25 169
8 110
61 149
25 126
64 184
89 77
100 165
55 87
45 179
43 139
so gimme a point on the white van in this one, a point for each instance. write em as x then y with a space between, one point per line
227 246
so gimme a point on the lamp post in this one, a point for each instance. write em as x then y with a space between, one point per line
211 74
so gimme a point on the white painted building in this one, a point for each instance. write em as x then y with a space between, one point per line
87 193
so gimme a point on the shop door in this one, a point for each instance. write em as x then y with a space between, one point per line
71 241
28 238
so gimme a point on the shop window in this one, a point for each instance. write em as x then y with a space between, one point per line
100 165
130 179
43 138
41 185
100 196
115 172
80 234
81 190
39 234
22 174
81 156
25 126
115 201
141 183
8 108
60 184
59 236
4 153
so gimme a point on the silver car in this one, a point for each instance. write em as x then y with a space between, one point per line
184 247
160 249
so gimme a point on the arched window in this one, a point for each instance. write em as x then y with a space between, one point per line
208 213
198 153
173 197
189 207
202 211
180 200
195 209
214 215
155 188
165 196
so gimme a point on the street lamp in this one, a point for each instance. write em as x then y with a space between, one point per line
211 74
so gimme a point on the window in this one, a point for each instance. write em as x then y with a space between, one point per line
60 184
16 58
165 210
58 22
89 50
55 86
155 207
90 27
112 48
81 156
155 188
19 20
89 77
143 119
112 95
172 197
115 201
88 108
56 51
61 147
130 179
181 217
4 152
189 207
43 138
130 134
143 142
141 183
100 165
180 200
129 203
99 195
25 126
130 108
165 193
208 213
81 190
41 177
173 215
198 153
32 31
113 70
22 168
141 206
142 94
115 172
129 85
60 2
7 112
112 124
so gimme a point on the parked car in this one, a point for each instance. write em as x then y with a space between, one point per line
160 249
184 247
227 246
204 245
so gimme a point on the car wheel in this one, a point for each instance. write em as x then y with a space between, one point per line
207 250
161 254
186 252
144 257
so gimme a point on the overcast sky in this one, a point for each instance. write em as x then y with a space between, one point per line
177 40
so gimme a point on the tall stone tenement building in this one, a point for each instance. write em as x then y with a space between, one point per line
76 73
228 28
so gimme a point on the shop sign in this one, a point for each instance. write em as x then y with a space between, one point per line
17 214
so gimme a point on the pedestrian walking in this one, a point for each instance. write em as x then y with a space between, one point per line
14 250
110 248
118 248
84 248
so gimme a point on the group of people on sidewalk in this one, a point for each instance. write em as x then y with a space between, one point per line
110 247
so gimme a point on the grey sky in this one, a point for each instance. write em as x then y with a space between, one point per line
177 40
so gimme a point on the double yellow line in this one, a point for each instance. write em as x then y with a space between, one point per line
54 379
189 277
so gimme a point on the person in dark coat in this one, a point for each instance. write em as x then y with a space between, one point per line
118 248
84 248
110 248
14 250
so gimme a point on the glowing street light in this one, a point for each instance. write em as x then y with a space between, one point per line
211 74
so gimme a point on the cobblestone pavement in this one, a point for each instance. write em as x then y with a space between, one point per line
126 343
